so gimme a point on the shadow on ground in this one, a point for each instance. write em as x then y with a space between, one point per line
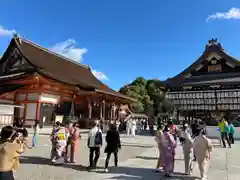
137 145
47 162
147 158
123 173
130 173
154 158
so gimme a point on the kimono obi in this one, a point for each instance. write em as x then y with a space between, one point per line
61 134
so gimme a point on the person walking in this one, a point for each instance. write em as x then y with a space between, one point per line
72 143
187 145
158 139
202 148
94 144
223 125
129 126
231 133
60 137
133 127
35 135
168 149
113 145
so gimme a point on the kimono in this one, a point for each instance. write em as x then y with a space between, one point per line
72 144
202 148
59 143
168 151
159 143
187 145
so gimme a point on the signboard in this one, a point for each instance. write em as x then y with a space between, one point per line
215 68
49 98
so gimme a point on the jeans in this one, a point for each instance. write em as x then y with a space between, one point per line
34 140
93 160
108 158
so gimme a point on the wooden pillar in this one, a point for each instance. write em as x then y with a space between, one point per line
178 115
185 116
38 112
89 108
189 116
114 111
25 108
111 112
103 110
100 110
210 117
206 117
118 113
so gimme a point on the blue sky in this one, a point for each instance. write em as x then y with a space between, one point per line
121 40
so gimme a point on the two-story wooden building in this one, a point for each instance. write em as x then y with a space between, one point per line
50 86
210 85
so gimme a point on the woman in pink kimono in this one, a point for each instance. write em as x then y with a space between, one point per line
168 151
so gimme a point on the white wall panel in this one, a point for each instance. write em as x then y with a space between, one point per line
6 110
31 110
33 96
20 97
6 120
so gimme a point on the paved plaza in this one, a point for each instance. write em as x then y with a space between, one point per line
137 161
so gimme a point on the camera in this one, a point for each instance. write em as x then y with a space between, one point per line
19 134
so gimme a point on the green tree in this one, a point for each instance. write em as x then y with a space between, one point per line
150 99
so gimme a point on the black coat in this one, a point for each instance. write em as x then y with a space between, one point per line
113 142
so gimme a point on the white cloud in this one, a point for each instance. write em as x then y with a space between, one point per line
68 49
233 13
99 75
6 32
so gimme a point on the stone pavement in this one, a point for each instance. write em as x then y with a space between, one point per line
137 161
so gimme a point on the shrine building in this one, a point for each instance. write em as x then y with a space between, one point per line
210 85
47 87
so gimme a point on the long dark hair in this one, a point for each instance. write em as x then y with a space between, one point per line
166 129
7 132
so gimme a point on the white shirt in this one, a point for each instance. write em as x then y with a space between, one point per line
92 136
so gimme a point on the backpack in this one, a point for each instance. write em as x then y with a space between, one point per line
98 138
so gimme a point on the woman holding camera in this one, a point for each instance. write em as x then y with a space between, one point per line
11 147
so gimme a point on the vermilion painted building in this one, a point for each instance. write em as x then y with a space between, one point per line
47 85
